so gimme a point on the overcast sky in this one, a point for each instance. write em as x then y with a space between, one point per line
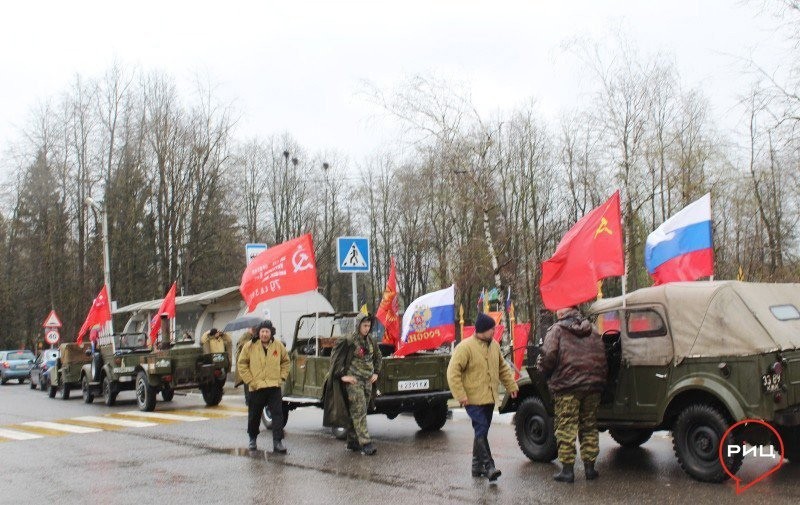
297 65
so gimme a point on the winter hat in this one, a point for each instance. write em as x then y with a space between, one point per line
266 323
483 323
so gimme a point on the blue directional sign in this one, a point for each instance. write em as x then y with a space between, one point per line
353 254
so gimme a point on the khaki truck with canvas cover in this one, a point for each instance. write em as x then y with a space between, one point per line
66 374
126 362
693 358
416 384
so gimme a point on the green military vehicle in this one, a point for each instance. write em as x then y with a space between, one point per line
415 384
691 358
66 374
125 362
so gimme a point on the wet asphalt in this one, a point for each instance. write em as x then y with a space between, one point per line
207 462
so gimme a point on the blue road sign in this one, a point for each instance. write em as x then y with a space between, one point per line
353 254
253 250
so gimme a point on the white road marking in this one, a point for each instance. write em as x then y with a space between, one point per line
18 435
160 415
69 428
116 421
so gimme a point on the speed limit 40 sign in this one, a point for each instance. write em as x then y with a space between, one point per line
51 336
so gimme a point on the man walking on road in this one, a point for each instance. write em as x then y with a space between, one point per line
355 364
264 366
475 371
574 362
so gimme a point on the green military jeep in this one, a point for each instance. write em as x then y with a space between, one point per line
66 374
416 384
692 358
126 363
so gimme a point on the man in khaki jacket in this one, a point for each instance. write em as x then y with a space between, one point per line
215 341
264 366
474 374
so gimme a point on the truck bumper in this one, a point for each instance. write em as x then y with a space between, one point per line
409 402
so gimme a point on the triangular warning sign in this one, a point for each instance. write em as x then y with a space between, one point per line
52 321
354 258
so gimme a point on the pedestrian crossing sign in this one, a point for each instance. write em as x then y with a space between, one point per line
353 254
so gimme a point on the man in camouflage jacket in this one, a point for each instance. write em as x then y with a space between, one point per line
574 363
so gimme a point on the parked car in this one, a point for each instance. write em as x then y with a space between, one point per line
15 365
40 373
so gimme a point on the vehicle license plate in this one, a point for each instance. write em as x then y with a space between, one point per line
413 385
771 382
22 367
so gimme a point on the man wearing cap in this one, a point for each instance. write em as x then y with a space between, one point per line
214 341
574 363
474 374
264 366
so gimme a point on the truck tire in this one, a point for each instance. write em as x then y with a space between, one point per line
64 390
167 394
630 438
212 393
696 436
110 392
791 443
432 417
535 431
266 416
88 397
145 393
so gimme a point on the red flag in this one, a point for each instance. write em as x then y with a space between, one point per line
591 250
388 309
168 308
100 313
285 269
521 331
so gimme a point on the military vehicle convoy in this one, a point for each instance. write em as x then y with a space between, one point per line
125 362
416 384
691 358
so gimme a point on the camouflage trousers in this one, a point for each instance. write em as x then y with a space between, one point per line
576 417
358 398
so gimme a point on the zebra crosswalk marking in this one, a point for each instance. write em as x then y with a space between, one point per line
67 428
137 417
17 435
212 415
119 423
37 430
229 408
163 415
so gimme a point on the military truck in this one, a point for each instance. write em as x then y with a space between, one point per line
125 362
691 358
415 384
66 375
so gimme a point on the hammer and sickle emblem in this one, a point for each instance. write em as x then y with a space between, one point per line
603 228
300 260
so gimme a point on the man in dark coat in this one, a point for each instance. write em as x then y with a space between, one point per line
574 363
350 385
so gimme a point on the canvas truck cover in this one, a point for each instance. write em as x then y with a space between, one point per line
721 318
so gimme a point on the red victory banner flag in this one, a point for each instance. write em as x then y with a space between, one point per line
591 250
100 313
289 268
388 310
167 308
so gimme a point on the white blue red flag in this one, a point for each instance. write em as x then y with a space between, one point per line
682 249
429 322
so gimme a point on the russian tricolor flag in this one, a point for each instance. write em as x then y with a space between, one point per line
428 322
681 249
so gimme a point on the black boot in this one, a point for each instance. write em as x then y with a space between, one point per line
277 446
353 445
589 470
478 466
368 449
491 472
567 473
252 445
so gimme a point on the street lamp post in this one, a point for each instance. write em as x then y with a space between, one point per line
106 257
